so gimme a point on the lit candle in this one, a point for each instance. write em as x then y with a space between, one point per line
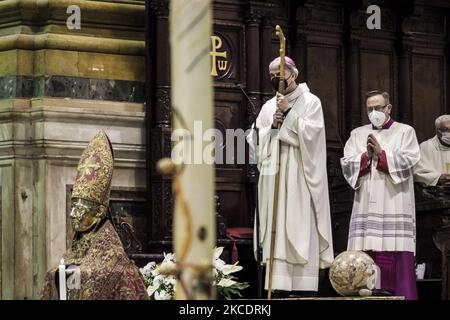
62 281
192 103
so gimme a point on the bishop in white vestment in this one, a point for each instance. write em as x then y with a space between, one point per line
434 165
378 164
303 241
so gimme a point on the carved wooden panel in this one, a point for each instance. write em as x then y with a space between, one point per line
162 205
426 250
227 48
376 74
128 208
230 115
233 201
328 12
428 93
324 65
429 22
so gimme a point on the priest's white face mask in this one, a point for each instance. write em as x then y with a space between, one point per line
445 137
377 118
443 132
377 111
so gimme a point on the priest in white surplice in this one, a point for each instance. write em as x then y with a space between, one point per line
434 165
303 241
378 164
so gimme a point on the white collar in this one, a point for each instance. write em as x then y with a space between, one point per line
301 89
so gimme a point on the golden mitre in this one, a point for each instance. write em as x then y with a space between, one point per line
95 170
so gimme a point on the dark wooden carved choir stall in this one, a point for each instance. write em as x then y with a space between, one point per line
340 59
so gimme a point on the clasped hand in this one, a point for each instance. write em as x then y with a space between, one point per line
373 147
282 106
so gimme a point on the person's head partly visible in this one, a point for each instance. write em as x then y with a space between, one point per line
86 215
92 187
290 74
378 107
442 124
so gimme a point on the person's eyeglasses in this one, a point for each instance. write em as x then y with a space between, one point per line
376 108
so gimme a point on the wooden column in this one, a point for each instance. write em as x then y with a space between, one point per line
161 189
405 114
162 79
299 42
253 75
267 32
448 64
299 56
353 86
253 80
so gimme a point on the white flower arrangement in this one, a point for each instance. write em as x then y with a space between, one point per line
161 286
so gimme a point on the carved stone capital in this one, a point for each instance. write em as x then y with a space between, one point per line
253 17
256 12
160 8
267 21
358 20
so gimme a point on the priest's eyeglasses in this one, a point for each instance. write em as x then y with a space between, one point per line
377 108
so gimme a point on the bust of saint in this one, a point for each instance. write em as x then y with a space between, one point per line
100 268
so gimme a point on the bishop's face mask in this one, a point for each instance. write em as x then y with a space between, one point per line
276 82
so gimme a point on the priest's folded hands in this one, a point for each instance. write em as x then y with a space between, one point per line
373 147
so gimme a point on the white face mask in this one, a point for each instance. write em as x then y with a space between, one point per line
377 118
446 137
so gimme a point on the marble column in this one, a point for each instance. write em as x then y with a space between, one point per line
58 87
